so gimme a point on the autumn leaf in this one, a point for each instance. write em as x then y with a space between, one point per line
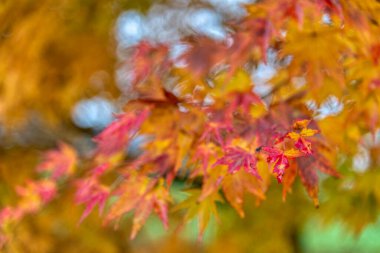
35 193
290 89
143 195
288 180
202 210
59 163
91 192
280 159
309 178
148 58
203 55
215 131
236 185
236 158
117 135
203 155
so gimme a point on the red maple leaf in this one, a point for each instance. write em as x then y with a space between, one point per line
280 158
236 158
91 192
214 132
45 190
116 136
304 146
59 163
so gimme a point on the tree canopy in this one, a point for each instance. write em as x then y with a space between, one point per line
271 111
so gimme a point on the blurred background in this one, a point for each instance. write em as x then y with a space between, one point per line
64 73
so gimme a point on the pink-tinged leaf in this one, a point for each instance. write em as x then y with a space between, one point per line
142 213
295 11
45 190
59 163
236 158
34 194
161 206
10 214
214 131
91 192
272 153
157 201
278 158
147 59
375 83
116 136
304 146
203 154
99 170
143 195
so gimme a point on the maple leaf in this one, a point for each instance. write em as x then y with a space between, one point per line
214 131
280 158
288 180
307 167
301 143
143 195
234 187
157 201
303 146
59 163
293 9
203 154
255 33
116 136
309 178
147 58
91 192
200 209
236 158
201 115
35 193
203 55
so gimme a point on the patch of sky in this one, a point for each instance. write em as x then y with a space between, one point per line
95 113
263 73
